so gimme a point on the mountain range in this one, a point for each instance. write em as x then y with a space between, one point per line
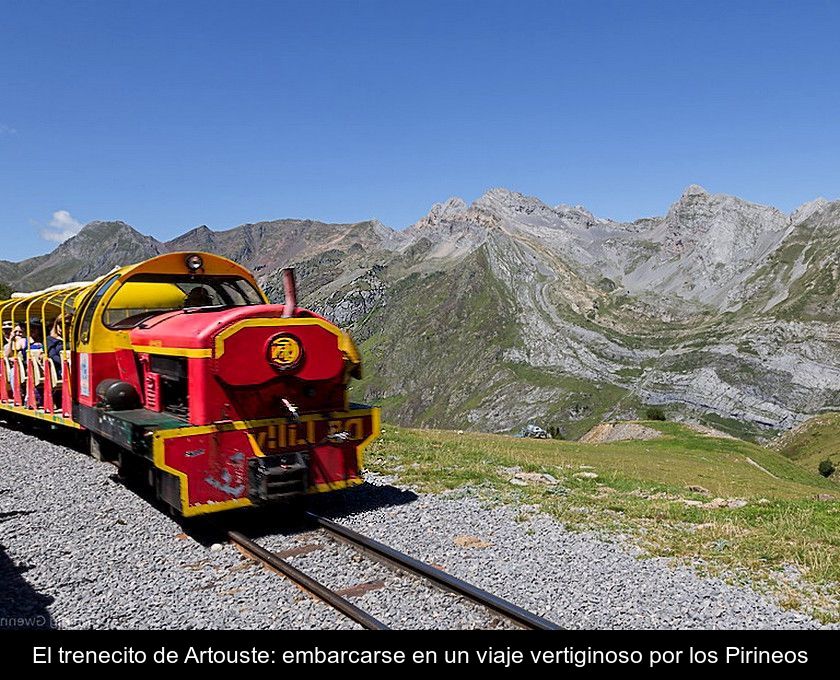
506 311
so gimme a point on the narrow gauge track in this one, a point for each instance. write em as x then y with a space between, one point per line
396 560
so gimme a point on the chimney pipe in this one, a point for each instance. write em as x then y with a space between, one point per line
289 292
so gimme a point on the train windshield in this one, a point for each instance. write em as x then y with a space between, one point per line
146 295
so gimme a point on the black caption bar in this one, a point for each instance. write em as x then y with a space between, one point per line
481 650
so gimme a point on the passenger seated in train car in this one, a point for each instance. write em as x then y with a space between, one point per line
7 331
55 350
16 343
35 342
13 349
35 346
55 343
8 326
198 297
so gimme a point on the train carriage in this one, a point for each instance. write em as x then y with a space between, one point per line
179 369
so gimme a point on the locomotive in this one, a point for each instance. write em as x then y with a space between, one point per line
180 371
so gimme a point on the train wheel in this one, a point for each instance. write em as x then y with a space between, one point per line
132 466
101 449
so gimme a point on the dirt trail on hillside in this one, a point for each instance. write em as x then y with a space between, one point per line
708 431
617 432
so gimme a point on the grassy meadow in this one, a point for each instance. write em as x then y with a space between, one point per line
754 512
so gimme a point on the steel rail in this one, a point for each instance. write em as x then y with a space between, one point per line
308 583
382 552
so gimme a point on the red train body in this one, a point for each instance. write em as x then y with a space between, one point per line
226 404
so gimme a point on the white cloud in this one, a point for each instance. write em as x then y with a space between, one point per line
7 130
62 226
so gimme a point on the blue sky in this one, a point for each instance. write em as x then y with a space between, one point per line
173 114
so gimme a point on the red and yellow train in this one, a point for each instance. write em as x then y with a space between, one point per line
180 369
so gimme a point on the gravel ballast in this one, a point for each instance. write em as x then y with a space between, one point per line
80 550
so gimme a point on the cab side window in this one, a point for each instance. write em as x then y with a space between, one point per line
90 309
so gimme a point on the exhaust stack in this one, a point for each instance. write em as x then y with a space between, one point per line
289 292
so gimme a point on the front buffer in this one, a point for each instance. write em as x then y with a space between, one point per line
230 465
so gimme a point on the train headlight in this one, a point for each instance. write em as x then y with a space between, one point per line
194 262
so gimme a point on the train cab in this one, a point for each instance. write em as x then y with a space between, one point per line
181 369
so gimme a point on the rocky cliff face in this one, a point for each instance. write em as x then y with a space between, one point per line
507 310
721 309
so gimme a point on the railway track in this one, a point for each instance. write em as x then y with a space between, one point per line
394 559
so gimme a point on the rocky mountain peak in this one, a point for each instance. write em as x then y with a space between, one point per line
384 235
577 215
441 212
694 202
449 209
105 228
804 211
199 238
698 210
503 196
693 190
503 202
115 233
97 248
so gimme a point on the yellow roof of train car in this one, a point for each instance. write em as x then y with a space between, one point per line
48 303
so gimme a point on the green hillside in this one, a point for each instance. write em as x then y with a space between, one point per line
753 512
815 440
